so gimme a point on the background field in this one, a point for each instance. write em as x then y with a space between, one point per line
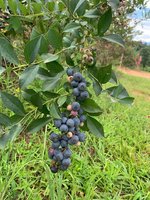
115 167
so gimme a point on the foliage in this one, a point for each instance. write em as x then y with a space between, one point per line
53 33
115 167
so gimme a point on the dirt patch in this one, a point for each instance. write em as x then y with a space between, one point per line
134 72
142 94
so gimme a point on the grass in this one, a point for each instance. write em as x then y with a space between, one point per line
113 168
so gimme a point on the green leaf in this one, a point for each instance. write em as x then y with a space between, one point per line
50 94
71 27
97 87
4 120
55 39
7 51
80 2
114 3
9 137
120 94
52 83
54 111
61 100
104 22
126 100
32 48
54 68
2 69
102 74
37 124
93 13
113 78
28 76
95 127
115 38
33 97
49 57
12 103
15 23
43 74
90 106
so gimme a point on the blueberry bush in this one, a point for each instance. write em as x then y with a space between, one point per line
50 46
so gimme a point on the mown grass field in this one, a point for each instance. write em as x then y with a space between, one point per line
113 168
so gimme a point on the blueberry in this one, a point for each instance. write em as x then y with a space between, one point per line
66 162
64 137
71 129
81 137
59 156
74 140
54 169
75 106
54 137
76 121
70 72
84 94
82 86
55 145
76 92
57 123
67 153
64 119
64 143
82 118
77 77
80 111
63 167
74 84
70 123
64 128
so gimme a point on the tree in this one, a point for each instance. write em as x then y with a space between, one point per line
55 35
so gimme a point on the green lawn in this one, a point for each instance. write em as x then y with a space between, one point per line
115 167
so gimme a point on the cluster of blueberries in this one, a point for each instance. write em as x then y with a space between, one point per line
68 125
78 84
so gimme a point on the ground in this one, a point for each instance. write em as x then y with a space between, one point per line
112 168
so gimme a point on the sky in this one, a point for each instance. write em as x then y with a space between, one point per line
143 26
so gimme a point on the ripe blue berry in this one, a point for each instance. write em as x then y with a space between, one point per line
57 123
54 137
66 162
74 84
74 140
54 169
64 128
76 92
64 143
55 145
70 123
75 106
80 111
76 121
64 137
64 119
71 129
82 118
59 156
84 94
67 153
63 167
81 137
77 76
82 86
70 72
